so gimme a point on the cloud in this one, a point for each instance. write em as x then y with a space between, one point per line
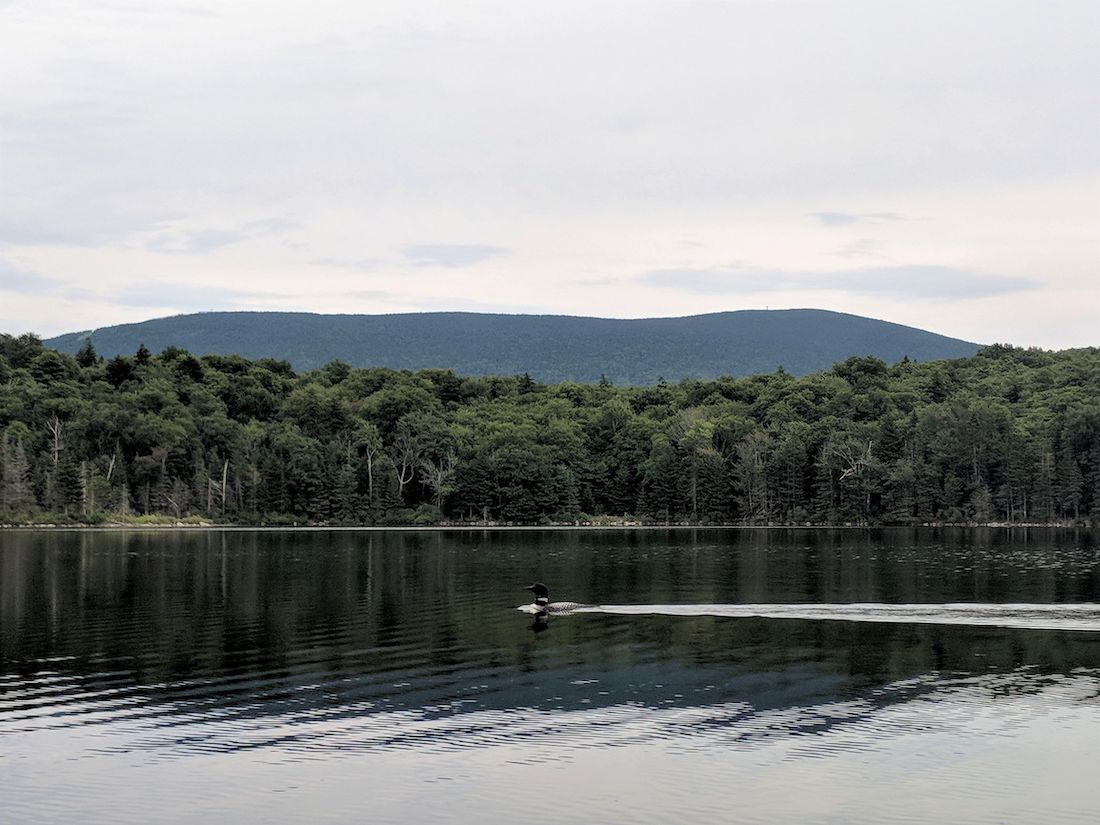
195 242
452 255
448 256
46 220
374 295
356 264
460 304
833 219
861 248
629 123
188 296
926 282
200 241
181 296
24 282
143 9
424 303
596 281
595 164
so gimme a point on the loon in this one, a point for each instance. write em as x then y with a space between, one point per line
544 606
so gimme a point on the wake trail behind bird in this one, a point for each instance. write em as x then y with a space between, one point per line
1079 617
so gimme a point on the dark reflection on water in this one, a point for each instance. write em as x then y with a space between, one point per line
392 669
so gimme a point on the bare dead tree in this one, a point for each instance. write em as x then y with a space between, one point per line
857 462
220 488
751 473
225 476
348 441
405 454
437 475
692 432
87 497
854 463
55 427
371 447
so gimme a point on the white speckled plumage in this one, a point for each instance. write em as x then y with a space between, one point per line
543 604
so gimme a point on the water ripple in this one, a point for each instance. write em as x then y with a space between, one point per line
286 678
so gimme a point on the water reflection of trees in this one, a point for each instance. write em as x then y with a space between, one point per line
170 606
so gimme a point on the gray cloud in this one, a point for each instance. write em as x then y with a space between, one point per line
460 304
21 281
188 296
55 160
200 241
861 248
17 280
195 241
449 256
452 255
629 123
181 296
242 127
162 9
355 264
441 303
849 218
46 221
374 295
920 282
596 281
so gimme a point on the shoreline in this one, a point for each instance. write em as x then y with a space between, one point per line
466 528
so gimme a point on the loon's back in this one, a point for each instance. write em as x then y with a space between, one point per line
565 607
544 605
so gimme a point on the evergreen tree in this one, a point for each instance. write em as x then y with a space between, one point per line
86 356
15 484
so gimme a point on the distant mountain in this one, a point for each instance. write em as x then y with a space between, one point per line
549 347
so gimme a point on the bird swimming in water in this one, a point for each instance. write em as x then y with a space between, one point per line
544 606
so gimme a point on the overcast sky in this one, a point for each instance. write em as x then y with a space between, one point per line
933 163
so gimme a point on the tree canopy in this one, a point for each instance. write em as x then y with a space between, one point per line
1009 435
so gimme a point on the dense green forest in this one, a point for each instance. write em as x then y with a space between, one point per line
551 348
1008 435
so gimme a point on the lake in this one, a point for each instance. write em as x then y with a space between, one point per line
771 676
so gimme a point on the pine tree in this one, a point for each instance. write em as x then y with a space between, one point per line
86 356
69 486
15 485
1070 484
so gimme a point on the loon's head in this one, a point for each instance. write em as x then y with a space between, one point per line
542 594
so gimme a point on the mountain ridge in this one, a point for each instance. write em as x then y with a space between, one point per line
548 347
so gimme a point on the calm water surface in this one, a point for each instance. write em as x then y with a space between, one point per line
387 677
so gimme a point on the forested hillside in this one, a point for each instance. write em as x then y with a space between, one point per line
548 347
1008 435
